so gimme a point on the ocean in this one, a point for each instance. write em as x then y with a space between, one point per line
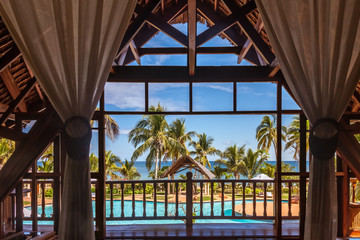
141 167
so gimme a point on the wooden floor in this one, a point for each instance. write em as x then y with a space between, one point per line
201 231
249 231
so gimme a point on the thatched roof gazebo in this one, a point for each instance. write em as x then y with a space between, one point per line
186 162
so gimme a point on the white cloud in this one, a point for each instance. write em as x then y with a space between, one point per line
220 87
229 143
170 104
160 59
125 95
125 131
243 89
156 87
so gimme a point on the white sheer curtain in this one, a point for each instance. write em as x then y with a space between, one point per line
317 44
70 46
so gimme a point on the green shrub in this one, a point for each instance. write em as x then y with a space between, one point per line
49 192
149 189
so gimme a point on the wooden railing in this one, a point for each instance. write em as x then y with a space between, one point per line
42 186
187 200
234 199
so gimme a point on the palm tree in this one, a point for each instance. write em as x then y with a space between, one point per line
94 162
151 133
232 159
266 134
253 162
7 147
177 131
111 162
112 130
47 160
268 169
203 148
160 172
218 171
293 137
128 170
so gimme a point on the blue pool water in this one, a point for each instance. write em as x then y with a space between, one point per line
160 208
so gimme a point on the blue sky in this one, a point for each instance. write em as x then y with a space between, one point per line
226 130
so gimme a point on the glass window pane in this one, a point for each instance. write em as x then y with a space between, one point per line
256 96
171 96
213 96
125 97
288 102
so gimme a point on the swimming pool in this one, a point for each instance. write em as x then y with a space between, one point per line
160 208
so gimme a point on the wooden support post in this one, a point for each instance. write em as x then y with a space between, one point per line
192 36
343 197
19 188
56 186
34 192
101 197
189 203
278 189
302 169
2 225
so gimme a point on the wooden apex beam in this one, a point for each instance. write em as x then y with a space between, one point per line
29 149
181 50
148 31
172 74
251 32
9 57
135 52
259 25
136 25
224 24
12 87
231 33
192 36
18 100
169 30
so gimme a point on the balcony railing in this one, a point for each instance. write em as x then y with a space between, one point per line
186 200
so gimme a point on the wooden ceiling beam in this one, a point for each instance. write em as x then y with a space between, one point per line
259 25
222 25
11 134
231 34
14 90
172 74
9 57
262 47
169 30
122 56
148 31
135 52
191 60
181 50
137 24
30 84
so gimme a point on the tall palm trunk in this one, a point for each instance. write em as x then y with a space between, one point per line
156 164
